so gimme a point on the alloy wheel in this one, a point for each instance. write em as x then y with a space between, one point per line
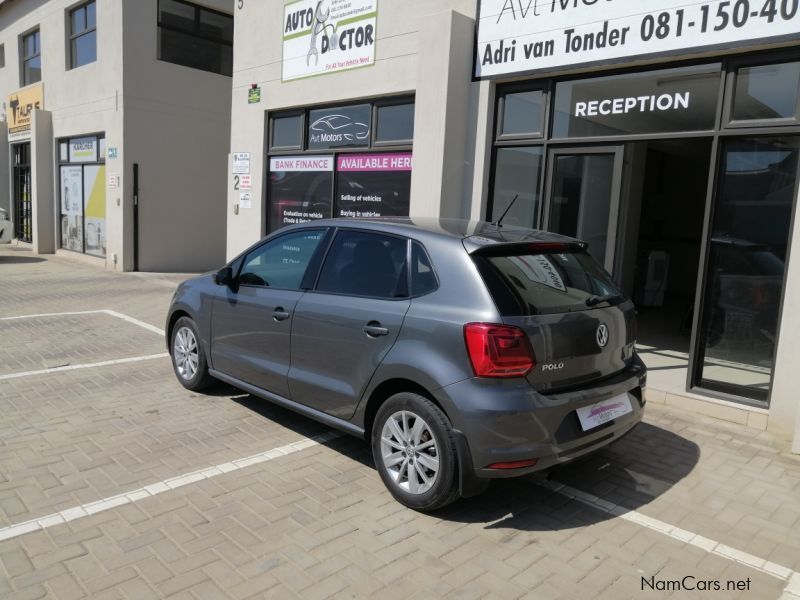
186 353
409 452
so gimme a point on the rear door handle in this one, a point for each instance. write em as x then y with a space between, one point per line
280 314
375 329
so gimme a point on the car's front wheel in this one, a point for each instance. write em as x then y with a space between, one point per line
415 453
188 358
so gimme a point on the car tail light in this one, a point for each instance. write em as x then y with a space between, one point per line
498 350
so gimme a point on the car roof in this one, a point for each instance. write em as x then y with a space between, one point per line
474 234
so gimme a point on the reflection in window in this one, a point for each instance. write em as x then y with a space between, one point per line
767 92
83 35
196 37
281 263
31 58
745 274
517 173
523 113
395 123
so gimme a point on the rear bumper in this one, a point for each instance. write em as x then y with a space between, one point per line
508 421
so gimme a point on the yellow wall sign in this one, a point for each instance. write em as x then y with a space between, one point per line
19 111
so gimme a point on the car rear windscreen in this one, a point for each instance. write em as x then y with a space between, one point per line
547 282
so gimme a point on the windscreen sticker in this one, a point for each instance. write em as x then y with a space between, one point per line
539 269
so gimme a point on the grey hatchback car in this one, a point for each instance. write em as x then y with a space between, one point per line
463 351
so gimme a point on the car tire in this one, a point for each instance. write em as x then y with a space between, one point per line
188 357
415 452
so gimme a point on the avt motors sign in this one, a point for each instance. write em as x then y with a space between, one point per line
525 36
325 36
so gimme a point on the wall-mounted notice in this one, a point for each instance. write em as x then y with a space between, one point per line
373 185
520 36
241 163
325 36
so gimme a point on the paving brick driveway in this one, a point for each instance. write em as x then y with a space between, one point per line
314 520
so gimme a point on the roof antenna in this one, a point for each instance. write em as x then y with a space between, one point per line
499 222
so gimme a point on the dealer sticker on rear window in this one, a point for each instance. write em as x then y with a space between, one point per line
605 411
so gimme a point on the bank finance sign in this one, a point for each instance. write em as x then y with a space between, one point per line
325 36
528 36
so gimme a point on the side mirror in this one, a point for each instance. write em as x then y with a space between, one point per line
224 277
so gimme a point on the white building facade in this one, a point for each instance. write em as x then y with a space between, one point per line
117 121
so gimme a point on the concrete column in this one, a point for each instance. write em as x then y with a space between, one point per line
446 101
784 411
5 169
42 176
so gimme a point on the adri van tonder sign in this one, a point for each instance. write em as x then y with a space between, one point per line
520 36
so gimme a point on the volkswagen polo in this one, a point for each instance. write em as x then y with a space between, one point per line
461 351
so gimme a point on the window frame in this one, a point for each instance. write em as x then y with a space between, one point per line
25 59
72 36
394 101
732 81
194 32
335 234
312 262
285 114
540 86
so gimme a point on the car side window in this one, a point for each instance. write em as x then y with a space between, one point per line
281 263
367 264
423 279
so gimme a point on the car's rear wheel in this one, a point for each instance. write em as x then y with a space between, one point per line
415 453
188 358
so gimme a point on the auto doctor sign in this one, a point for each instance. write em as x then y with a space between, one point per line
325 36
527 36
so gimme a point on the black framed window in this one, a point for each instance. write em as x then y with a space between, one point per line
394 123
349 160
194 36
82 194
767 92
83 35
521 114
2 56
31 58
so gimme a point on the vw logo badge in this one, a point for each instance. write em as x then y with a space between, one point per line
602 336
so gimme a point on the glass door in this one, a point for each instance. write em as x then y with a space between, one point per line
746 265
583 192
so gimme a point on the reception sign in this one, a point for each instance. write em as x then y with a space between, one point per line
325 36
527 36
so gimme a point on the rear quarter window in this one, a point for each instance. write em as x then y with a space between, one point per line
546 283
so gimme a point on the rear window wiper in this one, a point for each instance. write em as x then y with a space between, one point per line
595 300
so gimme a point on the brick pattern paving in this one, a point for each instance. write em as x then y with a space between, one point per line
318 523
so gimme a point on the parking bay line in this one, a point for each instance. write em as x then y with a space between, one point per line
106 311
105 363
762 565
154 489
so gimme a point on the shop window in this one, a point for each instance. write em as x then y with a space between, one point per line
31 58
767 92
83 35
394 123
287 131
373 185
366 264
745 275
82 191
665 101
2 56
196 37
339 127
518 172
326 162
299 189
522 114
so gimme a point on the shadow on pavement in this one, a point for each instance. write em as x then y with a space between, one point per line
18 260
631 473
